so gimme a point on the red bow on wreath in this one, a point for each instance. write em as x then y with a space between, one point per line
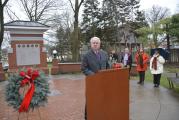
29 78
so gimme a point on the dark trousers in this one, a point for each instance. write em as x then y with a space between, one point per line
85 113
141 76
156 78
130 66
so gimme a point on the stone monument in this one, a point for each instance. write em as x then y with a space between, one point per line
27 45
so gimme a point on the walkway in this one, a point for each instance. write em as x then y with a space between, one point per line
66 102
149 103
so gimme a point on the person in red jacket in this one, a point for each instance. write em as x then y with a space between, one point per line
141 59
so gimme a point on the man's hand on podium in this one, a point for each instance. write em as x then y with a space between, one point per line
116 65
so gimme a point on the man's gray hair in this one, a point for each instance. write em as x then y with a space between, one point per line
95 38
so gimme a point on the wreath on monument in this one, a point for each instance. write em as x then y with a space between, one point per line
27 89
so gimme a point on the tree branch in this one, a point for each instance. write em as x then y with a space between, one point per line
71 5
163 40
36 8
80 3
42 11
5 2
27 10
8 9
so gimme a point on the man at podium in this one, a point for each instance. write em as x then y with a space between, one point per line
94 60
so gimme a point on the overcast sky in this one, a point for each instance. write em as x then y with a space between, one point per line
171 4
145 4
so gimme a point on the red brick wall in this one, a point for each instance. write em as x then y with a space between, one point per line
69 67
2 74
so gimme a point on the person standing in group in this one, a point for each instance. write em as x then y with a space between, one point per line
114 55
94 60
126 59
141 59
113 58
156 67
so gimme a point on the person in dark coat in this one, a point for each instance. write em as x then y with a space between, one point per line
94 60
114 56
126 59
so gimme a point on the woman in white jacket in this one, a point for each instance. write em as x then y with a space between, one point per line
156 67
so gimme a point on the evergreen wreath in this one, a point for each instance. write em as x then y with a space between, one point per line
23 79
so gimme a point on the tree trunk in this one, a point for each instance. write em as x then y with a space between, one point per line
75 43
168 38
75 40
155 39
1 26
2 22
168 43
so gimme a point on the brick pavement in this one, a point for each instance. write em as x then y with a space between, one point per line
66 102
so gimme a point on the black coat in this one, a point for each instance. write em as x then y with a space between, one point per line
92 64
129 62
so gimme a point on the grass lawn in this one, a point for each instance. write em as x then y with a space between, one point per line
163 80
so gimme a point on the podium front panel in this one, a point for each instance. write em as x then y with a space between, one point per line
107 95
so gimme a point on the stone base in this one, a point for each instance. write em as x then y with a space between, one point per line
2 76
54 70
69 67
12 71
45 69
55 62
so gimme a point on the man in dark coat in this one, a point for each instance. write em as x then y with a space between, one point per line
94 60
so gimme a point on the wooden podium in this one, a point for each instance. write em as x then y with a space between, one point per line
107 95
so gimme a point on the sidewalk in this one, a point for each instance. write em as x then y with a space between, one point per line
149 103
67 99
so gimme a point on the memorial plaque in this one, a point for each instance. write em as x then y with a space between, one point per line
27 45
28 54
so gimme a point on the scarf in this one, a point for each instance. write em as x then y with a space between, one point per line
154 63
141 61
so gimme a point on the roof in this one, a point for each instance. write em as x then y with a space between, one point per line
21 23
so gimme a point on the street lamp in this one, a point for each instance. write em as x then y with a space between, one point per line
54 54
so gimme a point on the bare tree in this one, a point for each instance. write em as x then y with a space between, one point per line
62 24
75 38
2 6
58 20
38 10
154 15
11 14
